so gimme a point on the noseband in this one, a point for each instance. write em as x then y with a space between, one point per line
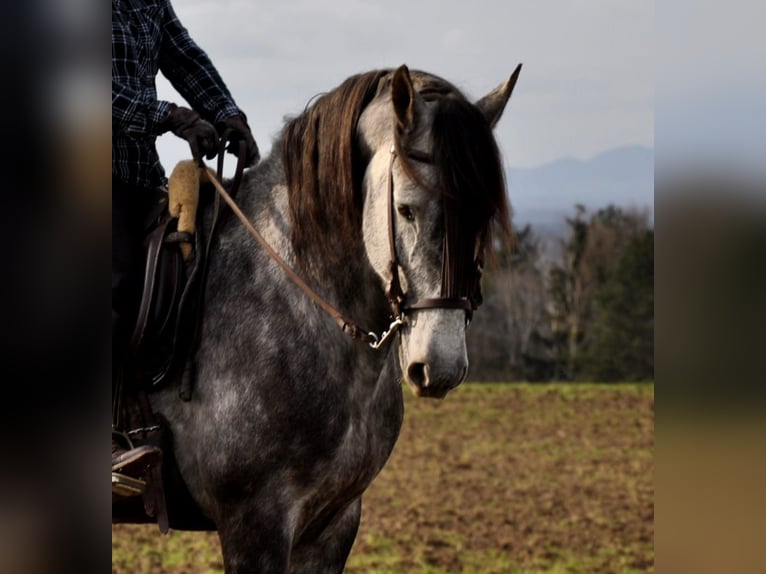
396 296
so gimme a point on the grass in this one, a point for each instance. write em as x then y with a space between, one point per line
497 478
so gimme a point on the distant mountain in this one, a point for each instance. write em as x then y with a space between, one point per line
542 196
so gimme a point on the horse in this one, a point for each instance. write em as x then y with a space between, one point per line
385 195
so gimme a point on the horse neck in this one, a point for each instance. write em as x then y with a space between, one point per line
266 346
352 287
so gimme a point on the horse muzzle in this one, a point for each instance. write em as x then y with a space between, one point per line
428 381
433 354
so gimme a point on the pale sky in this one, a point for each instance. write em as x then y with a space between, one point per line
587 83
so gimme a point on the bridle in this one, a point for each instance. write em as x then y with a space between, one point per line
394 293
396 296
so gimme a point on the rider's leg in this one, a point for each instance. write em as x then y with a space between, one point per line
127 262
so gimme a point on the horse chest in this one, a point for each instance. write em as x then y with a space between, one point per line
364 452
343 476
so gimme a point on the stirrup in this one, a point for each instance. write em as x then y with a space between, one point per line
123 485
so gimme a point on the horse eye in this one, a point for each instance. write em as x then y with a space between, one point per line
406 212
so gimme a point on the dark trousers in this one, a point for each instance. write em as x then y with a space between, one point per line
131 210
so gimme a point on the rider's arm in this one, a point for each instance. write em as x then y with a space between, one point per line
190 71
131 113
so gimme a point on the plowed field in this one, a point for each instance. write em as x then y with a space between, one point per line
496 478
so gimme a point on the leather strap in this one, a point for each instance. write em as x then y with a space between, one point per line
346 325
394 291
202 265
150 274
442 303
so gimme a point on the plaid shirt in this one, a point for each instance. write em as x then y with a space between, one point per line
147 37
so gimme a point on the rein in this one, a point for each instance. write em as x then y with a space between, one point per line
345 324
394 292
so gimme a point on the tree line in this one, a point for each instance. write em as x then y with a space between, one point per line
573 308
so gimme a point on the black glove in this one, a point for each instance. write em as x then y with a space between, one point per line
188 124
235 129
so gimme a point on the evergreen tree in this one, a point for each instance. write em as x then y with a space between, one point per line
622 345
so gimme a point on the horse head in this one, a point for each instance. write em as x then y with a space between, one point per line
433 192
399 169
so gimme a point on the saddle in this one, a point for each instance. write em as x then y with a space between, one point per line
178 245
164 336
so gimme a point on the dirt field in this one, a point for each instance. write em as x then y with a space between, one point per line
494 479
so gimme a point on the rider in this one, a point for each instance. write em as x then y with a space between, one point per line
147 37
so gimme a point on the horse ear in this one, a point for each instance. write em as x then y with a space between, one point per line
405 99
493 104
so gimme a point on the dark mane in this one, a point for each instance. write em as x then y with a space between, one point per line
324 170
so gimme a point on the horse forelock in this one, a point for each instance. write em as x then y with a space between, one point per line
324 168
470 178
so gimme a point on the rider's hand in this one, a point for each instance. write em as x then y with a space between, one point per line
235 129
188 124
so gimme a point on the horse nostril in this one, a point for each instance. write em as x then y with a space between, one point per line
416 372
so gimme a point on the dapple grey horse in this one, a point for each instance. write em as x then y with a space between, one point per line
383 195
